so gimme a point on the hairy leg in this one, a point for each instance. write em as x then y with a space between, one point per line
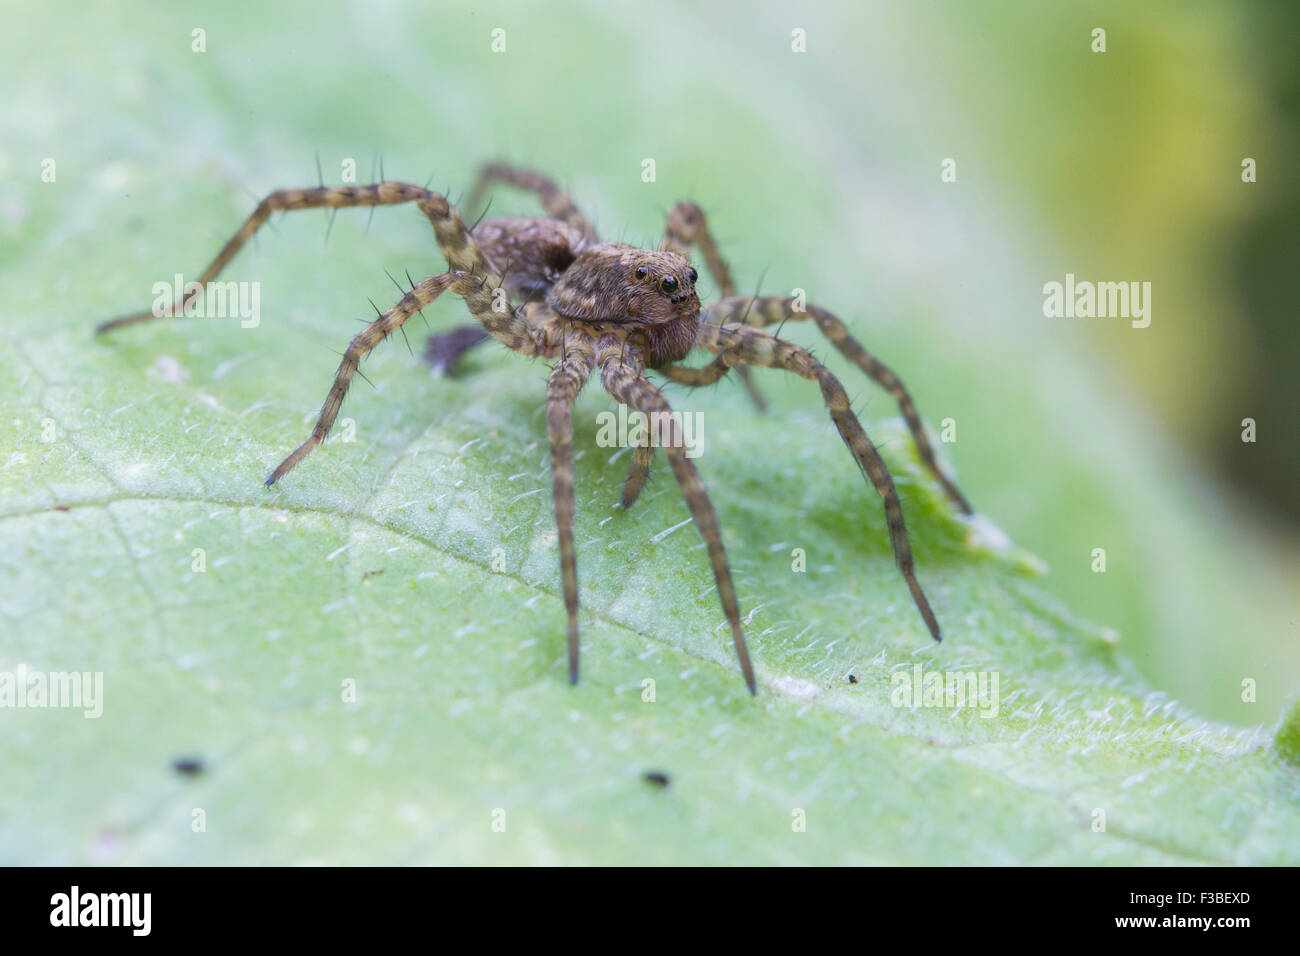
555 201
696 377
773 310
627 384
462 253
361 345
567 378
688 227
735 343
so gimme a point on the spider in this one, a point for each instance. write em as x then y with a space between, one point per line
592 305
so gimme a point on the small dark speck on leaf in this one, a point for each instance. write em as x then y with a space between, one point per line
62 508
657 777
188 766
852 679
371 574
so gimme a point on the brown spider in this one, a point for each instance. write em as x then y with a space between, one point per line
590 304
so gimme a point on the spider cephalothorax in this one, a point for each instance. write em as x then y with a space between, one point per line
648 296
590 305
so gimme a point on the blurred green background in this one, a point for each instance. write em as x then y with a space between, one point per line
821 170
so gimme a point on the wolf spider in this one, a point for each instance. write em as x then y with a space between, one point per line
589 304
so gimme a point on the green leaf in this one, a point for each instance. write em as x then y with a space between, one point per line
373 565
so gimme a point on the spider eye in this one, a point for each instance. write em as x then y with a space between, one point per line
694 275
669 284
642 272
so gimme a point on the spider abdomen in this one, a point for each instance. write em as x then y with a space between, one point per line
530 254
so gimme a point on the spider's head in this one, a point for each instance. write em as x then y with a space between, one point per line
665 280
619 285
622 284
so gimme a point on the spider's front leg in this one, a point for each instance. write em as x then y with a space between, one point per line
735 344
627 383
773 310
568 375
688 227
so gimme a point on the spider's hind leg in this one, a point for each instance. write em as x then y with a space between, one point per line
445 349
557 203
283 200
